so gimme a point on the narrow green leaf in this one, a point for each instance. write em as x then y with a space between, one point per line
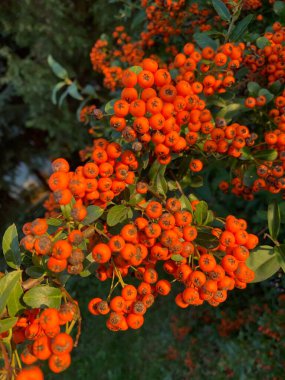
14 303
93 213
157 179
43 295
232 110
7 284
7 323
210 218
11 248
241 28
222 10
138 20
57 69
66 209
196 181
246 154
88 265
203 40
73 91
62 97
54 222
280 251
185 203
35 271
201 212
266 155
274 219
117 214
55 90
264 262
207 240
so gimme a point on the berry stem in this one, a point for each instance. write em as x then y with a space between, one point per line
118 273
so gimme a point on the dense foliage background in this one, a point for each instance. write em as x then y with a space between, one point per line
242 339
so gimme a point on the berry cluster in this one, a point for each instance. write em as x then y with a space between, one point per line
167 234
98 181
40 331
60 254
269 61
171 112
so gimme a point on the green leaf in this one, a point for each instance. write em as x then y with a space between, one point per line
136 69
246 154
66 209
201 212
275 87
62 97
203 40
7 323
57 69
177 257
207 240
54 222
35 271
7 284
73 91
266 93
138 20
11 248
196 181
117 214
134 199
109 107
261 42
253 88
222 10
232 110
241 28
55 90
173 73
93 213
155 167
43 295
280 251
89 90
88 265
185 203
14 301
266 155
193 197
145 160
250 176
157 179
274 219
264 262
130 213
210 218
279 8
